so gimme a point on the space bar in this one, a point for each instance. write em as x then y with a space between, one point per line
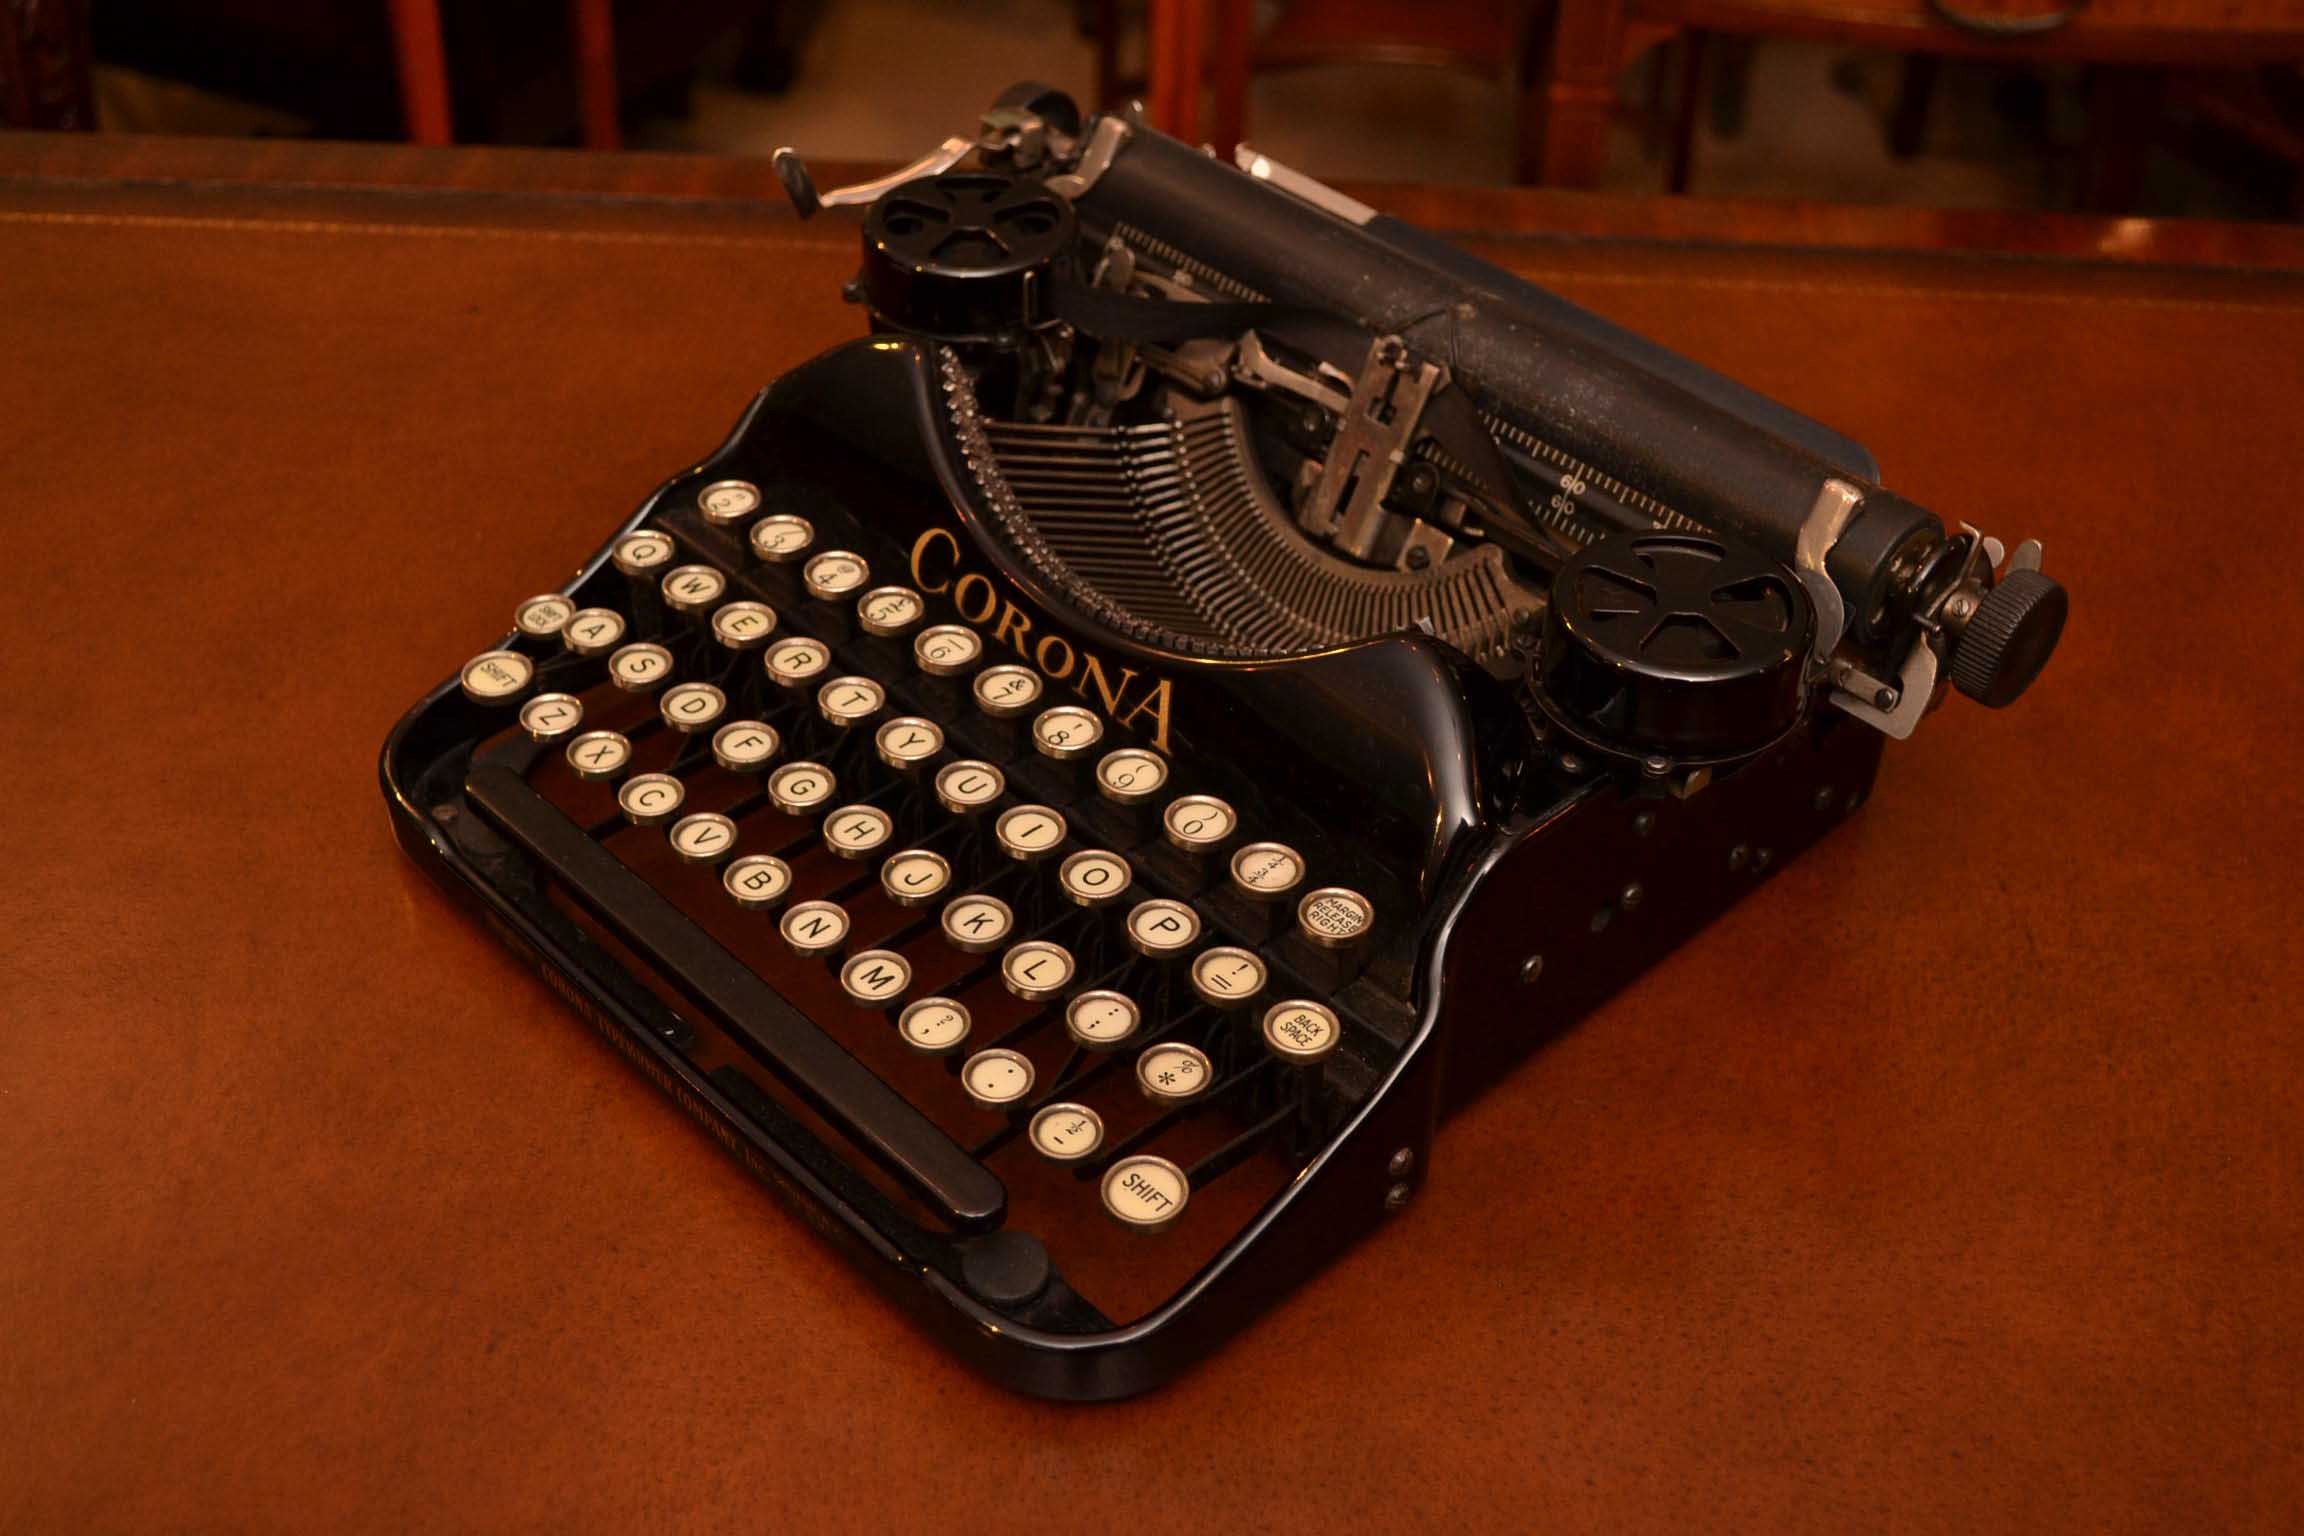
815 1066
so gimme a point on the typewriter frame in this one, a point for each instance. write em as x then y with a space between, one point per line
1555 905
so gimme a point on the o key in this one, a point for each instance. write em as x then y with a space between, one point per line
1145 1192
1094 877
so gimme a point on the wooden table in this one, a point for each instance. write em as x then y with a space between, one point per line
1953 1181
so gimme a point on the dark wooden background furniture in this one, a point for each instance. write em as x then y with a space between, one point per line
46 69
1881 1204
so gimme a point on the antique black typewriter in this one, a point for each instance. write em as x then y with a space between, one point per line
1088 776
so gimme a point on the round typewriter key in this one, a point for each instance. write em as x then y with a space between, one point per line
1006 692
1130 776
650 799
795 663
1145 1192
543 616
1101 1020
593 631
889 610
1226 977
915 877
782 538
907 741
599 754
497 677
847 701
967 786
636 554
1029 832
1335 918
1037 970
857 831
1094 877
707 837
1266 871
693 588
814 927
758 880
995 1079
1173 1073
876 978
1066 732
976 925
550 716
798 788
690 707
744 746
640 666
1162 928
1302 1032
1067 1132
834 574
947 650
725 501
743 626
1197 823
933 1024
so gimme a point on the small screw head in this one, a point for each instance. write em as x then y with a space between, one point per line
1402 1161
1737 856
1632 896
1419 558
1884 699
1530 969
1824 798
1643 823
1763 858
1570 763
1656 767
1397 1196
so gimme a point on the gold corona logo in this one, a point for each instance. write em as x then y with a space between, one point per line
1125 695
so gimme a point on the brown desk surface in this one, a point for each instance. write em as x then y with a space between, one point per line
1954 1180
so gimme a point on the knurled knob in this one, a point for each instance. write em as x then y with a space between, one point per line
2010 639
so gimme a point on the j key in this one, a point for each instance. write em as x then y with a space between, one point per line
744 746
551 716
1301 1032
915 877
593 631
780 538
693 589
933 1024
692 707
1066 1133
706 837
543 616
728 502
599 755
497 677
1145 1193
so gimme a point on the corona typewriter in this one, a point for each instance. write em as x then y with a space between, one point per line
1089 775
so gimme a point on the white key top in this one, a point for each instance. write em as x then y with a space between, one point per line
1335 918
1067 732
1266 871
743 626
1226 977
915 877
550 716
543 616
1130 775
1094 877
705 837
1197 823
599 754
995 1079
847 701
650 799
728 501
835 574
967 786
592 631
1173 1073
933 1024
1037 970
814 928
640 667
497 677
907 741
758 880
795 663
947 650
1145 1192
781 538
889 610
1302 1032
691 707
1066 1133
875 978
1029 833
1006 692
857 831
693 588
744 746
636 554
801 788
1161 928
976 925
1101 1020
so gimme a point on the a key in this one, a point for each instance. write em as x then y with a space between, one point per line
1094 877
915 877
592 631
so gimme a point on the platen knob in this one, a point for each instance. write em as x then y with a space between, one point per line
2010 639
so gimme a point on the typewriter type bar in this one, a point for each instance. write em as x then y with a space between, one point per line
838 1086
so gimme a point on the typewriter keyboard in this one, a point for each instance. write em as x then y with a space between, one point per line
927 900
